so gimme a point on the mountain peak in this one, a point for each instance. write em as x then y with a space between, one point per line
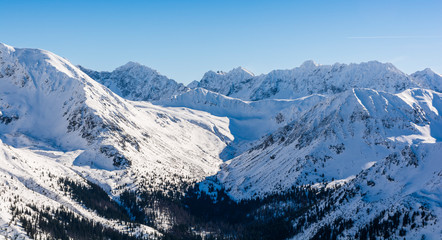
5 46
131 64
137 82
240 70
309 64
342 150
306 79
134 65
193 84
380 66
427 71
429 79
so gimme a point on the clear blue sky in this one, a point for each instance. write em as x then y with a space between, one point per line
184 39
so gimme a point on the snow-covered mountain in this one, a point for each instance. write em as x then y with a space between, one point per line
48 99
239 94
397 197
307 79
248 120
316 152
336 139
30 180
428 79
134 81
379 152
51 109
224 83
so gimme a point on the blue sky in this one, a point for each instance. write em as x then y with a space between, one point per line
184 39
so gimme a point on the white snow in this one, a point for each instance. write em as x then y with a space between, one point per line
55 119
320 125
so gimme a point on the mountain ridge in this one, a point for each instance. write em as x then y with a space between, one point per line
288 84
344 160
137 82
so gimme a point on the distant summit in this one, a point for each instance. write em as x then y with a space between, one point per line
137 82
309 78
309 64
429 79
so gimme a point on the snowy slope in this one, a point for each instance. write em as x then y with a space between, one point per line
47 104
364 130
307 79
134 81
336 139
379 152
248 120
401 193
229 93
428 79
48 99
225 83
30 176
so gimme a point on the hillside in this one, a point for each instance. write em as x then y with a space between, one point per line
343 151
52 110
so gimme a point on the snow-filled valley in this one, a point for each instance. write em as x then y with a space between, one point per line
347 151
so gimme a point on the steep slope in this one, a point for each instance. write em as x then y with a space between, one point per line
30 181
307 79
44 97
428 79
248 120
134 81
398 197
336 139
225 83
49 107
337 159
378 153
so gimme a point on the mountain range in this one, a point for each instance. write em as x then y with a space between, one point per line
347 151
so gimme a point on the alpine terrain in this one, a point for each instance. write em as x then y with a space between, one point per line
342 151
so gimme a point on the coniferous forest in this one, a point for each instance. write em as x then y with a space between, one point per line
276 216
